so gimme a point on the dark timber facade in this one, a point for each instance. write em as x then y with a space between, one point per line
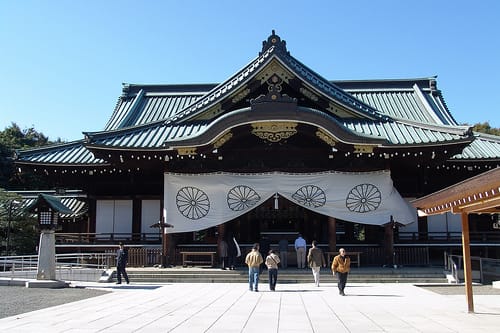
275 114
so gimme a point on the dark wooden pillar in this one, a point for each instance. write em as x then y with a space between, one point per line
221 233
389 244
332 233
136 219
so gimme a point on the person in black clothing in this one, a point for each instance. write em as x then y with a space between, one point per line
233 251
121 263
265 246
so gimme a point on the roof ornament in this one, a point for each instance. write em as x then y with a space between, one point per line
274 40
274 96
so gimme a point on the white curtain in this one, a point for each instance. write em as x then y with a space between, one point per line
198 201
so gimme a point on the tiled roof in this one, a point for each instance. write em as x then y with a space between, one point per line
146 117
147 137
236 81
74 202
414 103
73 153
143 104
484 147
331 89
407 133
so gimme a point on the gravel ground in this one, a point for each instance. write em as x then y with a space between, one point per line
17 300
486 289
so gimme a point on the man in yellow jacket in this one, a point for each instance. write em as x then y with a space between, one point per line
341 266
253 261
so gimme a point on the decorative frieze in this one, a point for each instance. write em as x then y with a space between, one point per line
309 94
274 68
223 139
211 113
274 131
340 112
363 149
240 95
326 137
186 151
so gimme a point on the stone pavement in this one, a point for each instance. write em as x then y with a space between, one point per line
230 307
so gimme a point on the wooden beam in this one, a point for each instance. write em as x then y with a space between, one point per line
491 206
485 186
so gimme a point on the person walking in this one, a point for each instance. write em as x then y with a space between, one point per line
223 248
272 261
233 251
316 259
341 266
253 261
300 249
121 263
283 248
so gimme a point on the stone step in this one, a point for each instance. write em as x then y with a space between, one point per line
212 275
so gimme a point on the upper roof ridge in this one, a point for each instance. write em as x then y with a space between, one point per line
274 40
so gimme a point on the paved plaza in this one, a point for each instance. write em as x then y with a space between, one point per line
231 307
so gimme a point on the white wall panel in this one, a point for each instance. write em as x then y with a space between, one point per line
444 223
104 216
150 215
114 216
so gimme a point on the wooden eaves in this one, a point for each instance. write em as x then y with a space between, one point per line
477 195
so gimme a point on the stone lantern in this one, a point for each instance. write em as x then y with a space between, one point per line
47 208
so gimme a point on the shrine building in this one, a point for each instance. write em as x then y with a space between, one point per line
273 151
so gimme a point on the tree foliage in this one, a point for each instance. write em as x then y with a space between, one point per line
486 128
13 138
14 225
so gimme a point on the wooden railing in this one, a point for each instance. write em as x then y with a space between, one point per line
452 237
137 257
155 238
107 238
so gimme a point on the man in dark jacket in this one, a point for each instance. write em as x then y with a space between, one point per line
121 263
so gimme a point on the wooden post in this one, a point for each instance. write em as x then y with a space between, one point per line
332 233
221 233
164 247
467 262
389 244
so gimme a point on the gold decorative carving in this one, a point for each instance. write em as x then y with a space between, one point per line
274 131
363 149
326 137
211 113
223 139
186 151
339 111
240 95
274 68
309 94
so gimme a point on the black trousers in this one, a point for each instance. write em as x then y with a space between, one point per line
273 278
342 280
119 271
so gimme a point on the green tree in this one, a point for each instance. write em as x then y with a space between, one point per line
11 139
486 128
16 228
18 233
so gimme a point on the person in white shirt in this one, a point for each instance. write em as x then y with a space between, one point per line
272 261
300 249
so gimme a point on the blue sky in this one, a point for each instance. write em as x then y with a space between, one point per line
62 63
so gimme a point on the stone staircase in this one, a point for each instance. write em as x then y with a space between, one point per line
178 274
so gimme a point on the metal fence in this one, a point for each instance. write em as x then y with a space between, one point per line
70 266
484 270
